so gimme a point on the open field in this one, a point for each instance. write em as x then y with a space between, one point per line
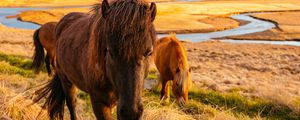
230 81
288 27
256 70
204 16
16 41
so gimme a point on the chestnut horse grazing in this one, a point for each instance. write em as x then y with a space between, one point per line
105 54
44 37
171 61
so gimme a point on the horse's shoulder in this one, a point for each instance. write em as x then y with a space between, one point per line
49 26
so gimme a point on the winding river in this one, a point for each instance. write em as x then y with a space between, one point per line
254 25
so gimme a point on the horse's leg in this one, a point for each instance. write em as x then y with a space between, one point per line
102 105
70 92
103 100
165 92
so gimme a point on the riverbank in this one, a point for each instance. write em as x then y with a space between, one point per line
287 27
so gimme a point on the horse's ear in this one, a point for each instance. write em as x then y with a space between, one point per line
153 11
105 7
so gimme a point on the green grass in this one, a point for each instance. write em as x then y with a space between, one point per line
12 64
17 61
5 68
152 76
205 101
243 105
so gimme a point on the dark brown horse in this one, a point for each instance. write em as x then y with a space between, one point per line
44 37
171 61
105 54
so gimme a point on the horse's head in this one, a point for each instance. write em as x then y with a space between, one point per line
130 35
181 84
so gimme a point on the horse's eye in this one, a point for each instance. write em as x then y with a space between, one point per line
148 53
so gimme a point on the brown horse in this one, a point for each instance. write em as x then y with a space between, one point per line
105 54
171 61
44 37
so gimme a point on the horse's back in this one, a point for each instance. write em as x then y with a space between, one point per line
170 54
47 36
68 20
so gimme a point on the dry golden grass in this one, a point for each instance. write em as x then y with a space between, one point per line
16 41
165 113
266 71
238 81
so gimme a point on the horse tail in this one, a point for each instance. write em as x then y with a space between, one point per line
48 61
39 54
55 98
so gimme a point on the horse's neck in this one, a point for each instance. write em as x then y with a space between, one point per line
96 52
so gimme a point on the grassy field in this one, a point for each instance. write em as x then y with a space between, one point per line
230 81
18 82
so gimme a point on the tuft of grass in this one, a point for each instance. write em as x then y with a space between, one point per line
152 76
17 107
17 61
5 68
237 89
16 65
